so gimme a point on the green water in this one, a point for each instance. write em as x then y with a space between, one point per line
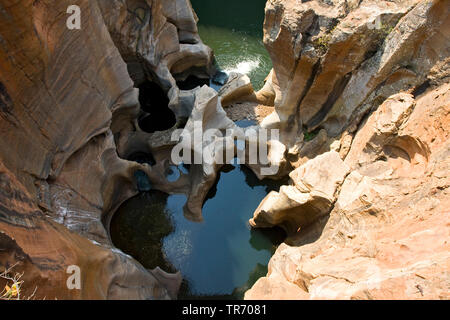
234 30
220 257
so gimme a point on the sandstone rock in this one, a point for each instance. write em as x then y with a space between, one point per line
266 95
272 289
381 130
68 109
207 155
68 117
323 174
311 196
43 250
236 89
363 88
386 236
159 41
333 61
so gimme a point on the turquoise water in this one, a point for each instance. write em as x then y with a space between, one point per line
220 257
234 30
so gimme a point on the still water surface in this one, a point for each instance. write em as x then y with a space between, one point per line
219 257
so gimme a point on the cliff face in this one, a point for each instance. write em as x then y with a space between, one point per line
361 94
68 108
333 60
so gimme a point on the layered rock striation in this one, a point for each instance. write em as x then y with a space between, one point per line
361 93
89 118
69 111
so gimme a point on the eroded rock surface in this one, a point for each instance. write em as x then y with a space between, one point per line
207 151
367 82
237 88
335 60
361 97
311 197
386 237
69 112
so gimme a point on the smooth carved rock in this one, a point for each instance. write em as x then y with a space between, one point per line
383 238
208 154
312 195
333 62
159 41
380 130
43 249
363 87
236 89
68 109
386 235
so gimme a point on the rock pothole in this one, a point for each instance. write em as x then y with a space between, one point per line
157 115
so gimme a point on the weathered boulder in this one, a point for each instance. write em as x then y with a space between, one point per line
369 145
236 89
311 197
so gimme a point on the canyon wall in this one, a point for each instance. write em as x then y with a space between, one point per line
361 95
68 115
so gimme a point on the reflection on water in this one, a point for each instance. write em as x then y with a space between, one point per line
220 257
139 226
234 30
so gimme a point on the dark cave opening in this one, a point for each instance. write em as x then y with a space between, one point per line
155 103
192 82
142 157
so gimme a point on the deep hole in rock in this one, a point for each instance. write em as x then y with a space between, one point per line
140 235
191 82
189 41
142 157
154 101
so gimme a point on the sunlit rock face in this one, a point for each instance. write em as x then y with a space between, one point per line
385 237
334 60
69 111
310 197
159 41
368 83
360 90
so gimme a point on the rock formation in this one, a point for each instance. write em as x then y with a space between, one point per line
334 60
386 236
207 153
69 113
360 90
237 88
311 196
366 85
